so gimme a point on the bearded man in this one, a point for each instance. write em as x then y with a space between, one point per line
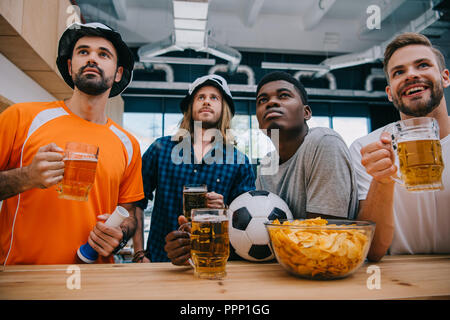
202 152
36 226
406 222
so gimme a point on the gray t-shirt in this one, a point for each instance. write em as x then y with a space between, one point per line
318 178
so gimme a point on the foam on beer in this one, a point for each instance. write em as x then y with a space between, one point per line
209 217
195 189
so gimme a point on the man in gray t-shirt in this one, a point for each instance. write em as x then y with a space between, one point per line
315 175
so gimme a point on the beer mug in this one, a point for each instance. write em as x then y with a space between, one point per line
210 243
194 196
80 163
419 154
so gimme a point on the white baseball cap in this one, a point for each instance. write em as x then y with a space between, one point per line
213 80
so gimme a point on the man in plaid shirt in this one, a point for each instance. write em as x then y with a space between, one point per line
192 156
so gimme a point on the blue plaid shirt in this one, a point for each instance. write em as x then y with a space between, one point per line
168 174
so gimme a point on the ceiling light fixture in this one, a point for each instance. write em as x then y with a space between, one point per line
180 60
294 66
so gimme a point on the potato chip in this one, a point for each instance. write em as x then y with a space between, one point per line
321 252
326 241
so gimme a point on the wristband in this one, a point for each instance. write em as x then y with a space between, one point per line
138 256
122 243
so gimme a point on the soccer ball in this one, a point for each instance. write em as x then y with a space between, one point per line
247 214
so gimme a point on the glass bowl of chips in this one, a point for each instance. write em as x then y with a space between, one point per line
320 249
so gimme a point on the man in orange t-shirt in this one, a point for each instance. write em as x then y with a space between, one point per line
36 227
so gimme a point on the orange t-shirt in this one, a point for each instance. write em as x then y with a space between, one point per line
36 227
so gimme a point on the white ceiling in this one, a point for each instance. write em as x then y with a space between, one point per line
288 26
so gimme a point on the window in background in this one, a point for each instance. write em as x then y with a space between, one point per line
351 128
171 123
319 121
146 127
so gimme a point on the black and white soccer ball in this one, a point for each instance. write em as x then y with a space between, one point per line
247 214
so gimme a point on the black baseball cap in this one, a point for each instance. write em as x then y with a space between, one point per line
76 31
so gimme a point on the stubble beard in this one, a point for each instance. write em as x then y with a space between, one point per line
210 123
421 108
91 84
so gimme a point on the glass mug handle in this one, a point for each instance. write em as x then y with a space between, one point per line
59 188
394 145
181 228
396 177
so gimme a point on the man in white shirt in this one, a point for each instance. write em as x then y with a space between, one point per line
406 222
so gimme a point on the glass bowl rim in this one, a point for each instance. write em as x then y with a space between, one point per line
337 224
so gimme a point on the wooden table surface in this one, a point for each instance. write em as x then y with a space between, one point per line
401 277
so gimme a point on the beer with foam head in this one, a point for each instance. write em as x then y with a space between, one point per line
80 163
210 243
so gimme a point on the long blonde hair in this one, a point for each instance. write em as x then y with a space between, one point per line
224 123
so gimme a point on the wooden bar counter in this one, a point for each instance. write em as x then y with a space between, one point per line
401 277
